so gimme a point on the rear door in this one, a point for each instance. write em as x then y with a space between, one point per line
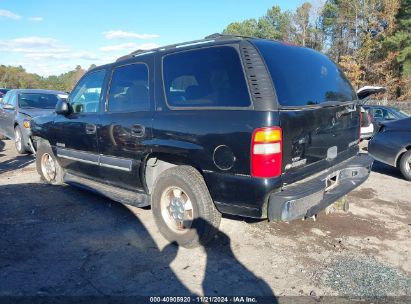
126 124
317 108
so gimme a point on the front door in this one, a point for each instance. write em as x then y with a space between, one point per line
126 126
75 135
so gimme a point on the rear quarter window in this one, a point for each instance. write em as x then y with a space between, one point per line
302 76
205 78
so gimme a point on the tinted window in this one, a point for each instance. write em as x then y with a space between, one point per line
302 76
209 77
85 97
6 98
12 100
36 100
129 89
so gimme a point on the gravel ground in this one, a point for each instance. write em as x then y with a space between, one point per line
59 240
364 276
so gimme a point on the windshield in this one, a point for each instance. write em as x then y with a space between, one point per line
401 114
38 100
302 76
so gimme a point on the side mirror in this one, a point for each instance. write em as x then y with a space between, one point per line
8 107
62 107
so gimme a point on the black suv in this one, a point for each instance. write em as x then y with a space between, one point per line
233 125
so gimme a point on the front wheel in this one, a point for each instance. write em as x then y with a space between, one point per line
405 165
47 165
19 141
183 209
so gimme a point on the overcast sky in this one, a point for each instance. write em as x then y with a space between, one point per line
50 37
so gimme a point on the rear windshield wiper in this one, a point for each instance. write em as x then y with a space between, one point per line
327 104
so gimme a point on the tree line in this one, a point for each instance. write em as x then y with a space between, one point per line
19 78
369 39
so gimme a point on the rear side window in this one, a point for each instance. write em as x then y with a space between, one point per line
209 77
302 76
129 89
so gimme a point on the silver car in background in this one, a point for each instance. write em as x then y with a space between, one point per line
19 107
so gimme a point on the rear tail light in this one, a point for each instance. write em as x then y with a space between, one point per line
266 152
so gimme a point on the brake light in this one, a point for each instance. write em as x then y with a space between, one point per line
266 152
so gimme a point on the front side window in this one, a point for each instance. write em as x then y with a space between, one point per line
85 97
37 100
209 77
129 89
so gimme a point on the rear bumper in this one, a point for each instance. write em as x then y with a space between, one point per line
308 198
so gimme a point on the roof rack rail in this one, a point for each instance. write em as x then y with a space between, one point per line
208 39
226 36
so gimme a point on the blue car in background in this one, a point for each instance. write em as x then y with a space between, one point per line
379 114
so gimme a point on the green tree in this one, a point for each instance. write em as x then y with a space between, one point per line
302 23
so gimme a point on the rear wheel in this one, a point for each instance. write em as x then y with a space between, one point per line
183 209
405 165
47 165
19 141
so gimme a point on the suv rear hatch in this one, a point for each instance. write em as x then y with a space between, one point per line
317 109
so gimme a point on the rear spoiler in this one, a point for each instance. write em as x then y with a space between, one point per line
367 91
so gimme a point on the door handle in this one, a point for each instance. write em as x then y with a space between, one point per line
138 130
91 129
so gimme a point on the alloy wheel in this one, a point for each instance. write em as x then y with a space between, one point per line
48 167
177 209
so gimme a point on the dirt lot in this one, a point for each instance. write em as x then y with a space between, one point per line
58 240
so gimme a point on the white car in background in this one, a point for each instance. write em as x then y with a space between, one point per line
367 127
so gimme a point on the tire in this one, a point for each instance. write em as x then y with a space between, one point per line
19 141
185 187
405 165
50 175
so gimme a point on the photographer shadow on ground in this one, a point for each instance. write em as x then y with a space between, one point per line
61 240
224 274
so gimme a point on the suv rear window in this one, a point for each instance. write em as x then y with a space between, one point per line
208 77
302 76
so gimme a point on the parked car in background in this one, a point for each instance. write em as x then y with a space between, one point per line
231 125
379 114
3 92
392 145
367 127
18 109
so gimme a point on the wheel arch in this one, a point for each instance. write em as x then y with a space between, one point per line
400 154
157 163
